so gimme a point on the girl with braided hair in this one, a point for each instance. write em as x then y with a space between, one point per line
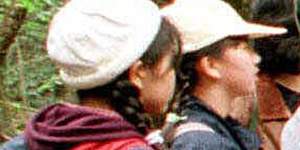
122 63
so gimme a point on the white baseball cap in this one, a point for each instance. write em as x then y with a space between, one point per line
204 22
94 41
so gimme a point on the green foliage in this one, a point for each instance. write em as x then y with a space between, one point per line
50 85
28 4
7 2
34 6
29 78
298 6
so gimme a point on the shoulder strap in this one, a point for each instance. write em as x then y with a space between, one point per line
191 126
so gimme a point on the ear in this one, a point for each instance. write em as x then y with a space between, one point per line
208 66
136 73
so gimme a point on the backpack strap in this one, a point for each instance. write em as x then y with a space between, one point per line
191 126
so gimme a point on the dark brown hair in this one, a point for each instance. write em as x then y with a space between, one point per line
280 54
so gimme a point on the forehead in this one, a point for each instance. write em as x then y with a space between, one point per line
235 45
234 41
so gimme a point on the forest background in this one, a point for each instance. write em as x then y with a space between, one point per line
28 79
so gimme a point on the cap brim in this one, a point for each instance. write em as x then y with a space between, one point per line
253 30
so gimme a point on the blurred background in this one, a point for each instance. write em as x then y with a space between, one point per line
28 79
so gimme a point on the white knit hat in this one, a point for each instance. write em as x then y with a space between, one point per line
94 41
204 22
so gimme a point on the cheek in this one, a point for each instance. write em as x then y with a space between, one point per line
158 93
170 83
240 73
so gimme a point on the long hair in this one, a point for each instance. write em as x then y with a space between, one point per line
121 94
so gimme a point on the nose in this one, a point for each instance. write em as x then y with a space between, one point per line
256 58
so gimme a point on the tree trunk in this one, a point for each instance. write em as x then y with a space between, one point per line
11 24
13 19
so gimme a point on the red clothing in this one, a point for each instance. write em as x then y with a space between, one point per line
273 113
62 126
120 144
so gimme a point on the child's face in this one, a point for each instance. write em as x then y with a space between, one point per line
239 69
158 85
239 75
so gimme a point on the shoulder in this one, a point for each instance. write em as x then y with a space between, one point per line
17 143
119 144
290 134
202 140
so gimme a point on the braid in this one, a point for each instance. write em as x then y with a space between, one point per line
123 97
125 101
186 77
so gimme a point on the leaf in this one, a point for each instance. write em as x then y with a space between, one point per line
16 105
28 4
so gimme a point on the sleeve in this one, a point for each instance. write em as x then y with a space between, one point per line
17 143
202 140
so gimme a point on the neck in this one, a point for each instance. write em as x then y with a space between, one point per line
96 102
218 98
289 81
214 97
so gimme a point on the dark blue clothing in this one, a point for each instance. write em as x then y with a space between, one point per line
227 135
17 143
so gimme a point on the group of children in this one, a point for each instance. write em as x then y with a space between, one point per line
132 63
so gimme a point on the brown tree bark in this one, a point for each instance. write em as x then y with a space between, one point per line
13 19
11 24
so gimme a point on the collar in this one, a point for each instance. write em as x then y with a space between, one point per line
292 82
227 127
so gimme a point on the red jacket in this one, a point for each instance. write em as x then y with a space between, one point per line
273 113
66 126
121 144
